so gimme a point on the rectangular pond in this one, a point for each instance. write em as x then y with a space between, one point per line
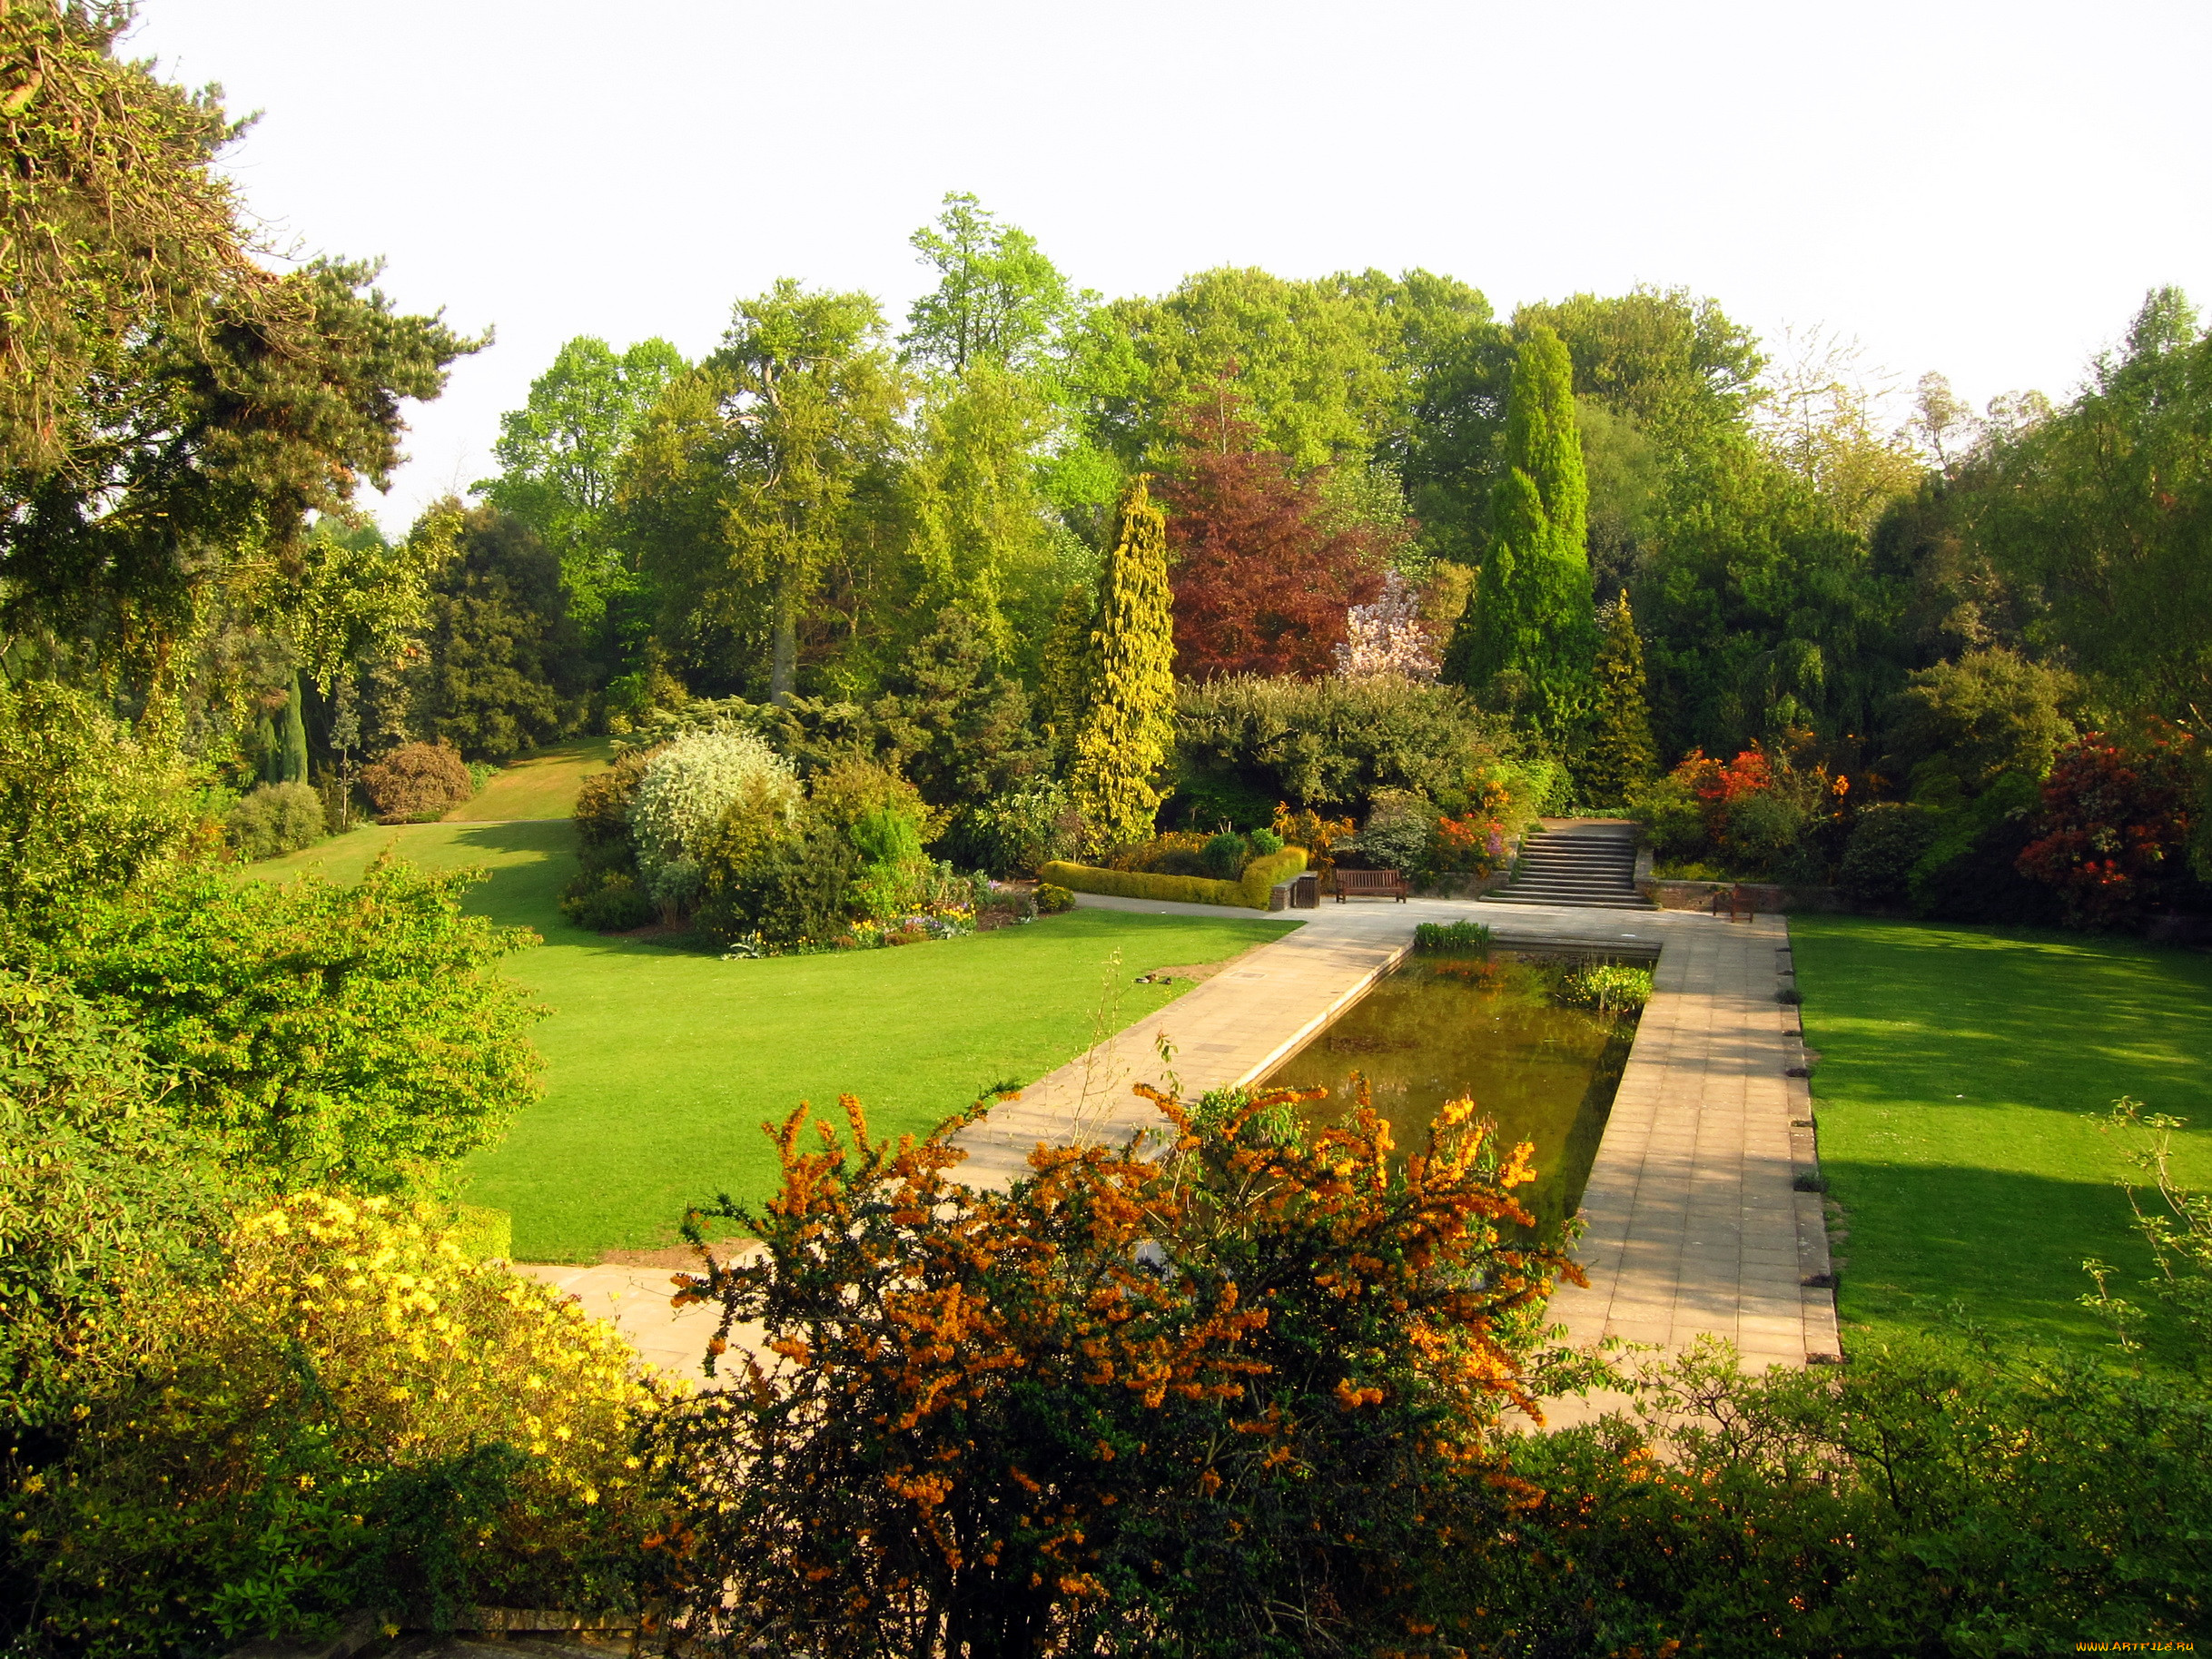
1437 1028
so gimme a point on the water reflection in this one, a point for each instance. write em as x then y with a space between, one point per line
1440 1028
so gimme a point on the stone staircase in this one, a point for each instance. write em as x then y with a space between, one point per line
1590 866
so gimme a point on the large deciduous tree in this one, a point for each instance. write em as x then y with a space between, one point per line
560 458
2106 509
1264 566
1532 615
1128 724
741 485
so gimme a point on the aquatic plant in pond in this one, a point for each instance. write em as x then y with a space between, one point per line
1609 987
1435 1030
1454 938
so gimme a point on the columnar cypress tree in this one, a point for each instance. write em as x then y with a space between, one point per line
292 765
1621 755
1531 617
1122 749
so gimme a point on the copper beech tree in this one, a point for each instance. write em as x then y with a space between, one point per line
1264 566
1217 1399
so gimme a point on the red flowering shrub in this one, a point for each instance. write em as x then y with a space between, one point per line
2115 830
1759 813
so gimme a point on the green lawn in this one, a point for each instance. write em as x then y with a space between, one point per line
1961 1070
662 1063
541 784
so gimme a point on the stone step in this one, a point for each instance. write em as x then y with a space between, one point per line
1608 902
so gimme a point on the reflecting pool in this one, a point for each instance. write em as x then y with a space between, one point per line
1437 1028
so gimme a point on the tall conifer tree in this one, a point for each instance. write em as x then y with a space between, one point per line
1531 617
1121 749
1620 756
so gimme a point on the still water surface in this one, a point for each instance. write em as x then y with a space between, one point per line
1439 1028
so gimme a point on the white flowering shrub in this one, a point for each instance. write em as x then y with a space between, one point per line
685 793
1388 637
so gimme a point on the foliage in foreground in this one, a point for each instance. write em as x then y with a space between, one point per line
1218 1392
357 1036
1930 1499
354 1416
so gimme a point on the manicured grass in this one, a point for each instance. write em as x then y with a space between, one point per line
541 784
1961 1070
662 1064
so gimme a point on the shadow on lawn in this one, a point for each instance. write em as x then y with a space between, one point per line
2003 1248
2066 1023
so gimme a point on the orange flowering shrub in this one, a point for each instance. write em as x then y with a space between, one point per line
1223 1390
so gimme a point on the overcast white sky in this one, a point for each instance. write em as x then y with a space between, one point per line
1985 189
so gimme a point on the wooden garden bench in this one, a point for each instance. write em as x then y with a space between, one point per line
1371 884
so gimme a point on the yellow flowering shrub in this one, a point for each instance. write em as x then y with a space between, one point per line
356 1415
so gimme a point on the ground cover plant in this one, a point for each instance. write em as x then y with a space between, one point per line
661 1063
1962 1072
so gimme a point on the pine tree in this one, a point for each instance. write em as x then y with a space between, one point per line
1620 756
1121 749
1531 617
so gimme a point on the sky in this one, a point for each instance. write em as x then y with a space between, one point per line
1985 190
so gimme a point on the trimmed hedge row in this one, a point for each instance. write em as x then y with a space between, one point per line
1249 893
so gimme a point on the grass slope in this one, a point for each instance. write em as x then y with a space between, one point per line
1961 1068
662 1064
541 784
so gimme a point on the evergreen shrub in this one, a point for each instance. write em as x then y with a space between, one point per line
275 818
418 782
1886 843
1249 892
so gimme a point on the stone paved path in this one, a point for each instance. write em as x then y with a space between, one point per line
1694 1226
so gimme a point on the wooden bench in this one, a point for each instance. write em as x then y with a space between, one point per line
1371 884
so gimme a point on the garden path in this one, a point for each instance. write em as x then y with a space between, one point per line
1695 1227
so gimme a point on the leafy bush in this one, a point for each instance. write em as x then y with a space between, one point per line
1225 856
105 1195
1928 1499
1969 871
1453 938
1217 1393
86 808
324 1035
1012 832
1053 901
894 875
1610 987
1266 841
416 781
1886 841
699 784
798 891
2112 839
1399 834
1334 742
1989 713
355 1415
1170 853
613 904
1759 814
275 818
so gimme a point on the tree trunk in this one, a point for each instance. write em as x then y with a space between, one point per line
783 650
